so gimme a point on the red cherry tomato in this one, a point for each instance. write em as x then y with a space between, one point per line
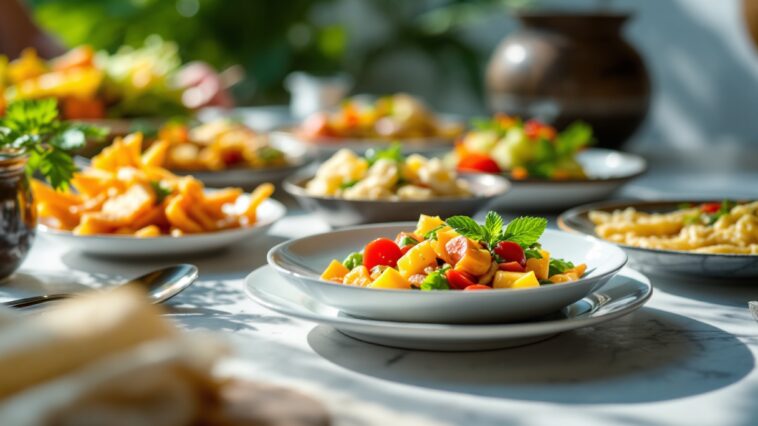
511 266
405 249
477 287
710 208
381 251
480 163
510 252
458 280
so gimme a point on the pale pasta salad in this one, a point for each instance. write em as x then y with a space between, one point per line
719 228
385 175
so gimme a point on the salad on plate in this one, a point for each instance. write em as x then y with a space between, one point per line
398 116
457 254
523 149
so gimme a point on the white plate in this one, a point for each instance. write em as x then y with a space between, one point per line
298 155
326 147
127 246
301 261
623 294
608 170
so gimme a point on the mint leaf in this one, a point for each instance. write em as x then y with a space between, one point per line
532 253
493 222
407 241
525 230
559 266
467 227
393 153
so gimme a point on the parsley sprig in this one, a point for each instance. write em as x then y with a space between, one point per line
524 231
33 128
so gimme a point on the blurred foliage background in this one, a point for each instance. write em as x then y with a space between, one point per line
270 39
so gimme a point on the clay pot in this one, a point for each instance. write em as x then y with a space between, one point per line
18 217
562 67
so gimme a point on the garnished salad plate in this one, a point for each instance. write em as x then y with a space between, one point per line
621 295
453 271
707 238
549 169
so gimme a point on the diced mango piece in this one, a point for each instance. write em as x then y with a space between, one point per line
579 269
560 278
391 279
427 223
416 259
336 271
541 267
443 236
155 156
359 276
148 232
508 279
468 256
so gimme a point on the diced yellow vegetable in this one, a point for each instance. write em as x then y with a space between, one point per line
579 270
476 262
359 276
427 223
336 271
508 279
391 279
560 278
417 258
541 267
443 236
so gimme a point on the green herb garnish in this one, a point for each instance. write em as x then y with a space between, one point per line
393 153
724 209
559 266
524 231
161 191
269 155
435 281
432 234
346 185
33 128
352 260
407 241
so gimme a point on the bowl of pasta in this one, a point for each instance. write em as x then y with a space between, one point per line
386 186
695 237
126 205
448 271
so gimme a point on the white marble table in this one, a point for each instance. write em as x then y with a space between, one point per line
688 357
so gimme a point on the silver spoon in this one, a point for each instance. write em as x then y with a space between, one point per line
161 285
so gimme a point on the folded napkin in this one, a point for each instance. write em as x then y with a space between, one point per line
102 359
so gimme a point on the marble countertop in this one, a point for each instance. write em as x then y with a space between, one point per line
687 357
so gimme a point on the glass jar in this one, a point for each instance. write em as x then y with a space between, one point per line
18 216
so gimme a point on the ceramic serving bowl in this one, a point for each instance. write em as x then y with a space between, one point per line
577 221
339 212
127 246
301 261
607 170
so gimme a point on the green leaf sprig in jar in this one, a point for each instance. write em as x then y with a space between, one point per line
32 140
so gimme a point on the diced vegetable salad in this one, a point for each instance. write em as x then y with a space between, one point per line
457 254
528 149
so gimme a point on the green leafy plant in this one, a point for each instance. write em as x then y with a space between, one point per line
32 128
353 260
436 281
559 266
524 231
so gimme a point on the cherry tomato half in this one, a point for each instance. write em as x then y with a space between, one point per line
475 162
459 280
710 208
477 287
381 251
510 252
511 266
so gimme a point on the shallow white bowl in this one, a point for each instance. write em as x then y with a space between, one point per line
301 261
607 170
128 246
326 147
621 295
